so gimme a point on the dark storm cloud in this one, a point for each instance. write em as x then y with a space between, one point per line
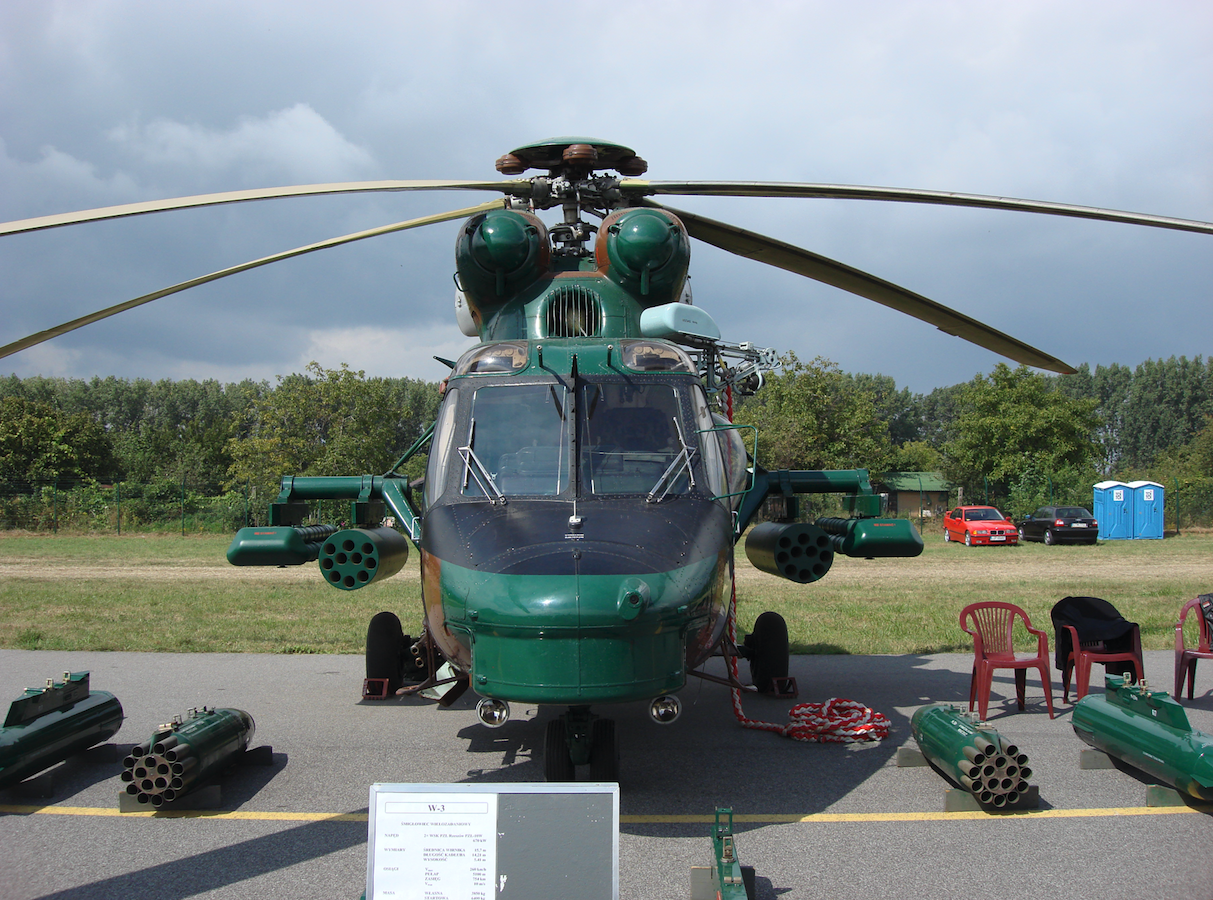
1104 104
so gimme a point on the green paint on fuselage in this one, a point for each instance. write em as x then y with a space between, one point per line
563 639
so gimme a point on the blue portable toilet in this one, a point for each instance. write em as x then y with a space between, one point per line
1113 508
1148 509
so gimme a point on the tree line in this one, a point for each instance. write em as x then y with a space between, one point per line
1014 436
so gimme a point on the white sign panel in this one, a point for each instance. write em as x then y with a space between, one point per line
493 842
437 846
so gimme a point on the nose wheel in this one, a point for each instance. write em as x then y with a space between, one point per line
580 738
767 649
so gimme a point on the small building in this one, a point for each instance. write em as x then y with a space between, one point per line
922 494
1112 505
1132 511
1148 510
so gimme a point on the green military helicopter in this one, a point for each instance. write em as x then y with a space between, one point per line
585 490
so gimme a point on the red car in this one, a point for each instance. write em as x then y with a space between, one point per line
979 525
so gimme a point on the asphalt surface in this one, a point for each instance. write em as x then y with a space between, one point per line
815 820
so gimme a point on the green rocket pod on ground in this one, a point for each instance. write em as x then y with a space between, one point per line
182 754
1148 730
973 755
47 725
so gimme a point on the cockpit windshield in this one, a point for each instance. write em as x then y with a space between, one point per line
630 440
517 442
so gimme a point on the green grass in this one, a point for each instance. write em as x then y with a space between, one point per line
169 593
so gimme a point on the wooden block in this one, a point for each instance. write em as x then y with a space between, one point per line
956 800
1094 759
701 883
1164 795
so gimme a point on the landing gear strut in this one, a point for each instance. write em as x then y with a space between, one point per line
580 738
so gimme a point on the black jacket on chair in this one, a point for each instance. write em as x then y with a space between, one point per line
1094 620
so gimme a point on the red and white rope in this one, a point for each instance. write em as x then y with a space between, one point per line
834 721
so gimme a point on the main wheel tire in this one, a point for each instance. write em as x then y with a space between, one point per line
768 644
557 764
386 650
604 751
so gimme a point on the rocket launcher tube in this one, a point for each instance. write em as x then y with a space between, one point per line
46 726
357 557
1148 730
208 741
978 759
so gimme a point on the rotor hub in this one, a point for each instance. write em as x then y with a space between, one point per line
573 156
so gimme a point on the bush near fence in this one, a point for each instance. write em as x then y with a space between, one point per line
116 506
167 506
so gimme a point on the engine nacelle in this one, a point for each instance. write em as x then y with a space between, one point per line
646 252
357 557
497 255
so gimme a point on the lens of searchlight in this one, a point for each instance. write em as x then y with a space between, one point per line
665 710
493 713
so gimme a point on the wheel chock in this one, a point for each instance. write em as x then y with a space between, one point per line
375 689
783 688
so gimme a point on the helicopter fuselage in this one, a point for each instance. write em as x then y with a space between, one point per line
577 544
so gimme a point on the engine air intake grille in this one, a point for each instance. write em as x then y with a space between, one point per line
573 311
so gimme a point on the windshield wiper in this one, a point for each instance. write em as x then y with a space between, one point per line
484 480
681 461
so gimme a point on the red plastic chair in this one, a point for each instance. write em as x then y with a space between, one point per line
1185 659
1083 653
993 648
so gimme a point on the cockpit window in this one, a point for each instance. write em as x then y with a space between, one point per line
518 440
653 356
490 359
630 437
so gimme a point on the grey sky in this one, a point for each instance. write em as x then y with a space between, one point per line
1105 104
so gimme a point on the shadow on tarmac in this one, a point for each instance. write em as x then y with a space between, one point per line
224 866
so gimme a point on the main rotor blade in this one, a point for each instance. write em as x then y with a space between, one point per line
820 268
903 195
42 336
299 190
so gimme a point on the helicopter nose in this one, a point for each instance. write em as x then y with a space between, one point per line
584 638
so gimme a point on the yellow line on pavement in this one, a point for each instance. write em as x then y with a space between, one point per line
150 813
746 818
827 818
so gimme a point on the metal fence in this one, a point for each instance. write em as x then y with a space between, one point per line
118 506
193 507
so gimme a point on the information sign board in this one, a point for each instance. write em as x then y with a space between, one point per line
493 842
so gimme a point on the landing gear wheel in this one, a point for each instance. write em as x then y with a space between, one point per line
604 751
386 650
768 646
557 764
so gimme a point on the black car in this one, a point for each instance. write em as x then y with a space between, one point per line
1060 524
